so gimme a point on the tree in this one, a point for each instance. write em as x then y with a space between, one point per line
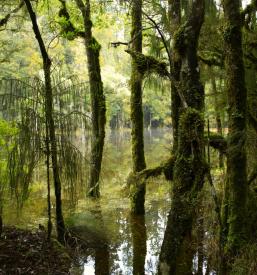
174 13
50 125
137 191
189 170
98 106
235 196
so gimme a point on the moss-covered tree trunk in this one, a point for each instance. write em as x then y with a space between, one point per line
189 170
217 112
174 14
98 107
251 85
49 122
138 230
234 231
1 221
137 191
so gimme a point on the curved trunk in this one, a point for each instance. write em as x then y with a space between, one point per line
98 107
189 170
49 122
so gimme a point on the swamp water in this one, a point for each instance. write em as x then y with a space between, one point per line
118 244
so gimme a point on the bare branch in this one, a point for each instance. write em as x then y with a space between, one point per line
162 37
4 20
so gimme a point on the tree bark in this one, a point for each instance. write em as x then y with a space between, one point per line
174 14
137 192
217 114
98 107
190 168
234 231
49 122
138 230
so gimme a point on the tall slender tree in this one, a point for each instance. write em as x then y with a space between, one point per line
98 107
49 121
174 14
234 205
137 191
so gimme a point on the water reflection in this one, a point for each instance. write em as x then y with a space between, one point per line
138 230
133 242
116 243
102 261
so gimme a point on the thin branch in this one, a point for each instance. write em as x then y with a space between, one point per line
162 38
118 43
4 20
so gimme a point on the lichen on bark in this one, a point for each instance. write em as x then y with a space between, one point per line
235 198
190 167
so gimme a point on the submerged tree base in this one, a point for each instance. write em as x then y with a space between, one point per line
27 252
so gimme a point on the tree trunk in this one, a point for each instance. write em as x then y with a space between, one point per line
49 122
137 192
176 252
98 107
217 114
138 230
174 14
1 221
234 231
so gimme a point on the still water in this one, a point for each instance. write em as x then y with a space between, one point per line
117 243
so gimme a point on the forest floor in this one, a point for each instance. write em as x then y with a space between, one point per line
28 252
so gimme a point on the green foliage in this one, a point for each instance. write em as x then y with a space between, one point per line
94 45
7 133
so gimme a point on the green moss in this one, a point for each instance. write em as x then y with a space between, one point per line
149 64
137 198
179 40
94 45
228 32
